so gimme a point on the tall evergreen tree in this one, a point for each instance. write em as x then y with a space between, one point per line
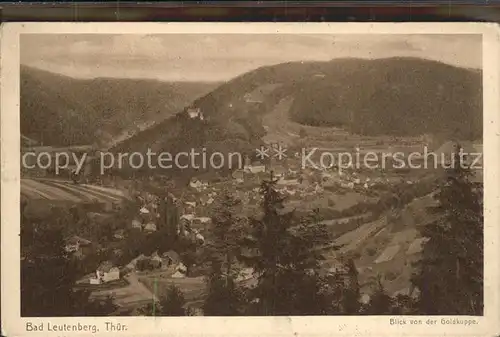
223 249
48 277
342 290
169 217
285 263
173 303
351 295
224 298
149 309
450 273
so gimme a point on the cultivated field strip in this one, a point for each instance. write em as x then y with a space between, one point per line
110 191
388 254
67 191
89 193
416 246
48 191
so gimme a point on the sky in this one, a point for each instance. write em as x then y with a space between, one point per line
220 57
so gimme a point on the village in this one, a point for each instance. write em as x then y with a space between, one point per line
137 261
348 202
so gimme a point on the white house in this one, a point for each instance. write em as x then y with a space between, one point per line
187 217
74 243
136 224
106 272
150 227
253 97
202 219
182 268
197 184
195 113
119 234
200 238
245 274
254 168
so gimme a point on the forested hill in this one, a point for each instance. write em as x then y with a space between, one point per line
393 96
59 110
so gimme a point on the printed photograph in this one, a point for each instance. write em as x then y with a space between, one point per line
251 175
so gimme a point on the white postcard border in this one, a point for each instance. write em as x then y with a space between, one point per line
14 325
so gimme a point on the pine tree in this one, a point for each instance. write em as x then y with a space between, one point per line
285 263
450 276
48 277
173 303
342 291
146 310
169 218
351 296
96 307
404 305
224 296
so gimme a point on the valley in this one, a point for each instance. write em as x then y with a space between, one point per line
151 228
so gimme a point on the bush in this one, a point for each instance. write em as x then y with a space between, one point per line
371 251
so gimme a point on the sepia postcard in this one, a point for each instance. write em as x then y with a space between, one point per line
257 179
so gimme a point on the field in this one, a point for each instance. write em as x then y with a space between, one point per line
193 288
330 200
132 296
386 247
60 190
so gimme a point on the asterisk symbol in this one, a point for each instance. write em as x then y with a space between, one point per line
280 152
262 152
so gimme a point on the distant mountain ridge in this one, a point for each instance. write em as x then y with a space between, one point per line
60 110
393 96
399 96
